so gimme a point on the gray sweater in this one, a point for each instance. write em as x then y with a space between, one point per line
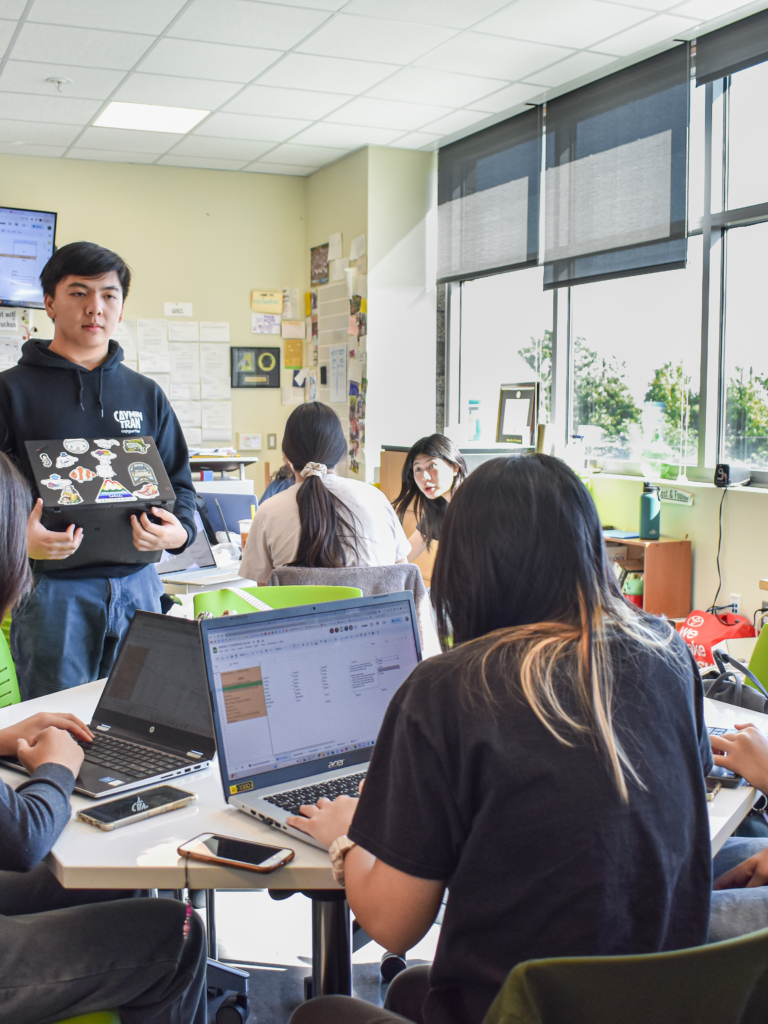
33 816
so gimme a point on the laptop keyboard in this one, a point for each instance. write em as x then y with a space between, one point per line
292 799
127 758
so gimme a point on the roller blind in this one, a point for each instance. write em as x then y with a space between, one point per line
488 199
732 48
616 174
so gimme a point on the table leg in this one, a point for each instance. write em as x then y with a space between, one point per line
210 923
331 947
242 471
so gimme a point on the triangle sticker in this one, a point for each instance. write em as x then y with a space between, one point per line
112 490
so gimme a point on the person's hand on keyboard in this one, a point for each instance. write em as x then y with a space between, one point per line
327 819
744 752
31 727
51 746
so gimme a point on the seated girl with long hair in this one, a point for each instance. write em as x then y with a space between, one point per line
548 769
433 469
327 521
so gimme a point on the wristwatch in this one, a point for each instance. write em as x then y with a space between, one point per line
337 851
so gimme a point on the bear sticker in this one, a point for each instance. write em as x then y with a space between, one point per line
64 460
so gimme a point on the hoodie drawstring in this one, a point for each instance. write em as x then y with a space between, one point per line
80 392
101 385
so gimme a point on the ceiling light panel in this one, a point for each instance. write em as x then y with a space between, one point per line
115 15
31 150
222 149
572 68
262 168
476 54
377 38
211 163
247 21
304 156
387 113
576 23
303 103
176 92
306 71
449 13
149 117
125 140
660 28
212 61
440 87
249 126
41 134
116 156
502 100
89 48
87 83
56 109
347 136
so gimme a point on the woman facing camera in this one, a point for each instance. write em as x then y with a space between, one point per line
548 769
326 521
433 469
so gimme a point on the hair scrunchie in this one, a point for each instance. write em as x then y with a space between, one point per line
314 469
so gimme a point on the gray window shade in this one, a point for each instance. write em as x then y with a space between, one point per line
616 174
732 48
488 199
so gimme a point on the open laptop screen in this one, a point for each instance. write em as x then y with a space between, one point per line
296 688
197 556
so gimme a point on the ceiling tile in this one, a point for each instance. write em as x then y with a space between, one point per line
31 150
260 99
249 126
706 9
650 5
415 140
87 83
212 61
12 8
7 28
506 98
56 109
126 140
573 67
86 47
377 38
451 13
40 134
222 149
660 28
208 162
305 71
174 92
316 5
387 113
347 136
150 15
112 156
238 21
574 23
456 121
303 156
260 168
441 87
477 54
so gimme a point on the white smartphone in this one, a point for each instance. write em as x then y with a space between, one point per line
236 853
126 809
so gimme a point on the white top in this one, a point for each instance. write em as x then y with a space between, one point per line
274 537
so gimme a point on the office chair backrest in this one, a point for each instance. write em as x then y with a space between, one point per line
758 662
234 507
9 684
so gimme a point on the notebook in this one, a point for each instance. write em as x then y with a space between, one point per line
153 720
299 695
196 564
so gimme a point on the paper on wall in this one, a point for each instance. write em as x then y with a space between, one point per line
189 414
184 392
217 420
214 362
214 330
351 275
10 321
163 380
177 308
125 335
152 345
185 363
188 330
265 323
338 267
10 350
361 286
357 247
362 264
192 435
293 328
217 389
291 396
291 305
334 246
151 362
338 373
267 302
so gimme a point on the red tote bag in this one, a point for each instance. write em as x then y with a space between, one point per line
701 630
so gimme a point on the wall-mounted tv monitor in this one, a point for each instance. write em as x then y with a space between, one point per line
27 240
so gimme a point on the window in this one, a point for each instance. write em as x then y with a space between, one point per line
747 138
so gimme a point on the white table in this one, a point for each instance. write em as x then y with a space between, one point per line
730 806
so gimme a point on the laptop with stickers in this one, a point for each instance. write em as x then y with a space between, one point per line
153 721
299 695
98 484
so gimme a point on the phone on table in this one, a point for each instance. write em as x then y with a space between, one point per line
235 853
126 809
726 778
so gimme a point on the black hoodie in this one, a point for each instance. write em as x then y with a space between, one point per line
46 396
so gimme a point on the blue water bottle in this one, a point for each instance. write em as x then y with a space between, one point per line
650 512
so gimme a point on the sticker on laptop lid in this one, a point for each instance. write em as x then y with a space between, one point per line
149 492
136 445
141 473
76 445
55 482
106 442
241 787
82 474
113 490
64 460
46 460
70 496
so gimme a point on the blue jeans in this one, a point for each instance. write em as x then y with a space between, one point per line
737 911
68 631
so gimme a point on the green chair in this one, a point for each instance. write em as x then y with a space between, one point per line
102 1017
9 684
219 601
758 663
722 983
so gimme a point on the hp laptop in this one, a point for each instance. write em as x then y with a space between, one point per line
299 695
195 565
153 721
98 484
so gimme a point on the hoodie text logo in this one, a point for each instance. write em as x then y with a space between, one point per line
129 419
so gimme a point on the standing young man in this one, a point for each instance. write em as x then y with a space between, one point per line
68 631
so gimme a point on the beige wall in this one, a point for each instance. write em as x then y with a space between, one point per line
200 236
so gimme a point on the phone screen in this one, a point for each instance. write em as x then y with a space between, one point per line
135 803
239 849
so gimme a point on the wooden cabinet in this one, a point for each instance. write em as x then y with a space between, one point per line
666 568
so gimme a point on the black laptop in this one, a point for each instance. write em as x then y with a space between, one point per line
98 484
153 721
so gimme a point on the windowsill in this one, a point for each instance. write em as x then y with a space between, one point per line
683 485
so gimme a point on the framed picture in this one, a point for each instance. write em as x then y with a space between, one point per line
255 367
518 414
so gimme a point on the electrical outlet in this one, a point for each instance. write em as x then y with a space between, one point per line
736 603
250 442
271 440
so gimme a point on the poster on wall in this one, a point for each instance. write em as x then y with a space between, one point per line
255 367
319 264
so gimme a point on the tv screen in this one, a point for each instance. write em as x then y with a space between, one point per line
27 239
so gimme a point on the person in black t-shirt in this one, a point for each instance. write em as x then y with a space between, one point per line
548 770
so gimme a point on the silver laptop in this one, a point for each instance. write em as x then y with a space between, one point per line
196 564
299 695
153 721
